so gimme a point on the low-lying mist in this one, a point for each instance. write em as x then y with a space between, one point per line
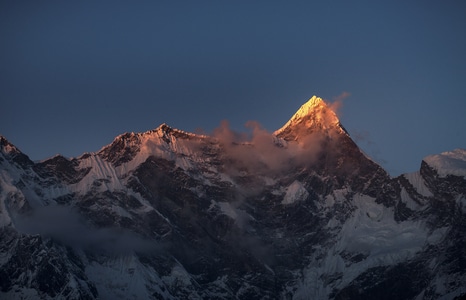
66 226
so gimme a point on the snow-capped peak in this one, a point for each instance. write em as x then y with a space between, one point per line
7 147
166 130
309 107
315 113
448 163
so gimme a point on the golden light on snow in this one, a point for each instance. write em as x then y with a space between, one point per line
314 112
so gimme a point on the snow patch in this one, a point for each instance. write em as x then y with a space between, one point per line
461 201
437 236
11 197
372 234
373 229
118 210
406 199
269 181
228 210
101 171
295 192
337 196
418 183
240 216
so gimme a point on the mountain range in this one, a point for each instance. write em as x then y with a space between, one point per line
301 213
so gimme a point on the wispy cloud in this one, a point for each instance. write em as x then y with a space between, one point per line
337 102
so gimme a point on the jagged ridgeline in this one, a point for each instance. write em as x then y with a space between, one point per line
301 213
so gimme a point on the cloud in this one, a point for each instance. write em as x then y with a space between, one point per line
337 102
260 152
255 151
67 226
341 97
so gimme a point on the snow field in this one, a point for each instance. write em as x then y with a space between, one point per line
448 163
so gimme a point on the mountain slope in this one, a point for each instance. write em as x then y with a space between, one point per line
165 214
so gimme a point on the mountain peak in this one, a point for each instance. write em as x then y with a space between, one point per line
7 147
313 115
10 151
311 105
166 130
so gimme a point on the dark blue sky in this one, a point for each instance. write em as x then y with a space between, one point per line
74 74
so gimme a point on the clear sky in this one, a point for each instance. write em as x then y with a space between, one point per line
74 74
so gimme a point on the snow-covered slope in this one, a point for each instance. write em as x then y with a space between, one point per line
298 214
448 163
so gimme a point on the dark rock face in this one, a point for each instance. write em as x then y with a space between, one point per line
11 153
50 270
65 170
448 186
402 281
170 215
123 149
